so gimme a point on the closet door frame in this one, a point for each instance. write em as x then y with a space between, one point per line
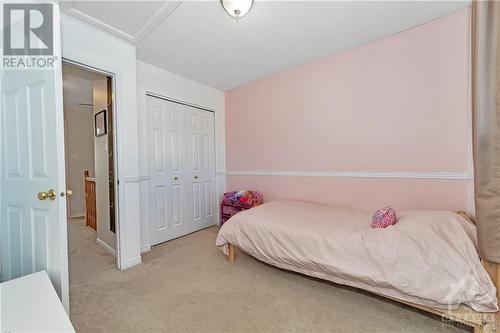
214 195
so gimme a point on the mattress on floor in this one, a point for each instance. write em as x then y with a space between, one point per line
427 258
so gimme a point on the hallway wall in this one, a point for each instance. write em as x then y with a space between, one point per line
79 155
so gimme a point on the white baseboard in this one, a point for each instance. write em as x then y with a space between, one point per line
132 262
77 215
106 246
145 248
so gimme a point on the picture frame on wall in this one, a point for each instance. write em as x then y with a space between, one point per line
101 126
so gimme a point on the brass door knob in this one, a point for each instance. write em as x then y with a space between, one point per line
67 194
51 195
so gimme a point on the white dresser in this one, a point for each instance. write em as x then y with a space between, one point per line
30 304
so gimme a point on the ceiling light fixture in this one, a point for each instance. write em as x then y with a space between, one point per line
237 8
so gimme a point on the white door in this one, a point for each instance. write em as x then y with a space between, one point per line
167 170
181 169
201 164
33 231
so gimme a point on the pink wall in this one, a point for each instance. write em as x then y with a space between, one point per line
399 104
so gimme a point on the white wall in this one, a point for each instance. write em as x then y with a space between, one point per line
104 234
79 121
88 45
157 81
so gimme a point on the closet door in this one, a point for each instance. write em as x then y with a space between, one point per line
201 168
181 169
168 170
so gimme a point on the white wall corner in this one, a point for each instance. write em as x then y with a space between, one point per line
129 227
144 211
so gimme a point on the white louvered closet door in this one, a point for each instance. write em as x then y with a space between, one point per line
181 169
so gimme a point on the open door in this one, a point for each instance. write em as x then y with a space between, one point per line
32 182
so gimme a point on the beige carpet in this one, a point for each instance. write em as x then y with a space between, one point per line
186 286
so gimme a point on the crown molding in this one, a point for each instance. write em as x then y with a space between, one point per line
148 27
165 10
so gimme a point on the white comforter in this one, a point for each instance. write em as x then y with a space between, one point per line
428 257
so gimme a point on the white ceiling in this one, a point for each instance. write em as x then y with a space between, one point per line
130 20
197 39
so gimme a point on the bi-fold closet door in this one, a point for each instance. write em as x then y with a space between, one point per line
181 159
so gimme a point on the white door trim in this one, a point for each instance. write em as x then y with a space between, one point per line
173 100
91 66
61 151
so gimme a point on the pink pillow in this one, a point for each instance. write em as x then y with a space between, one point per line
384 217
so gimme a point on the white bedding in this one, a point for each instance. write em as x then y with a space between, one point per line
427 258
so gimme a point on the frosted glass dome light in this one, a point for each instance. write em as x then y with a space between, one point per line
237 8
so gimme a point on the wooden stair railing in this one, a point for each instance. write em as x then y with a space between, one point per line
90 201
